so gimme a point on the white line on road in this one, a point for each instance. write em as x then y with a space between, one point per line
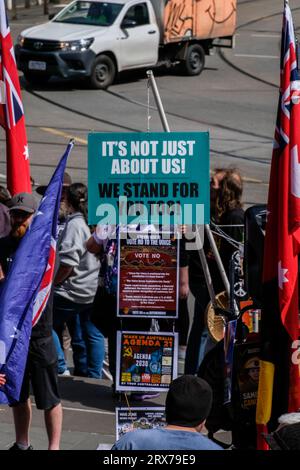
86 410
260 35
264 35
256 56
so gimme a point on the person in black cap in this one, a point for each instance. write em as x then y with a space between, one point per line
188 404
41 367
22 208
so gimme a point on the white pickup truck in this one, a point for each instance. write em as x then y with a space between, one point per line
97 39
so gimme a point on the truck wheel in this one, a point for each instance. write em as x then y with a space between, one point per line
195 60
103 72
36 78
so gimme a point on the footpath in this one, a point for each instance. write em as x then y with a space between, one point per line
88 416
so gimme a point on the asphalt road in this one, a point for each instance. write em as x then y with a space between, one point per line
235 98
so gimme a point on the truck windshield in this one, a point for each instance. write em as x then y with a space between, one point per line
90 13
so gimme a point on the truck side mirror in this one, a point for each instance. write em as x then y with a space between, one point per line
127 23
51 16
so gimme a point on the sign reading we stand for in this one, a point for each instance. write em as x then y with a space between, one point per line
156 178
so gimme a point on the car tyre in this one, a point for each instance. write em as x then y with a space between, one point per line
103 72
194 61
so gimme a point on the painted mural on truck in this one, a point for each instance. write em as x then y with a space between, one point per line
199 18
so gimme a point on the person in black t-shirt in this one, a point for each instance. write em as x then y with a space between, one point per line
226 209
230 212
41 367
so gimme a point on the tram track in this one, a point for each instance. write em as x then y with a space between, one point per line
207 123
239 69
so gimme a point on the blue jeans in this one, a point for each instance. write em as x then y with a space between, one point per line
61 362
87 341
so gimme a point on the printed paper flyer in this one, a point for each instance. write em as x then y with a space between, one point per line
148 275
145 360
130 419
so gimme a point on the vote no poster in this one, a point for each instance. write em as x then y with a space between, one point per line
148 275
130 419
146 361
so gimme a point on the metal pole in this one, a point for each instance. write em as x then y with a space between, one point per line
210 237
207 276
158 101
218 259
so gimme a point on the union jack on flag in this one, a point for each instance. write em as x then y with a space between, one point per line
46 284
12 113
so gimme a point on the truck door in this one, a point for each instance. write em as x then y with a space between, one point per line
139 38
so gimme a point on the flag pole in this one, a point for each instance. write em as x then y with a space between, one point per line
207 227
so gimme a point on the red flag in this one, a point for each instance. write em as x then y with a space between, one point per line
12 113
279 385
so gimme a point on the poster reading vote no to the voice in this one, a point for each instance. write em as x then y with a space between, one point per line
145 360
148 275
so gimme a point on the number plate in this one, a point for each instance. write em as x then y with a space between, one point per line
36 65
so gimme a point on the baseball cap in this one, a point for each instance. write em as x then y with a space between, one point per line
188 401
23 202
67 181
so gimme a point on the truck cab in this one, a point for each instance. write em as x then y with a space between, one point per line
93 39
97 39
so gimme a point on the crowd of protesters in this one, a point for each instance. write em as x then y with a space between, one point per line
83 299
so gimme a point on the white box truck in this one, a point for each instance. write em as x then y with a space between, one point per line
97 39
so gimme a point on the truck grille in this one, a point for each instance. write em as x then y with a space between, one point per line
41 45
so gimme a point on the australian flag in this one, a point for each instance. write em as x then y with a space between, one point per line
27 286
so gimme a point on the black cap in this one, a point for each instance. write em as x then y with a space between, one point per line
23 202
188 401
67 181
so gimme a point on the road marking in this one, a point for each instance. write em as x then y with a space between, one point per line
264 35
86 410
2 176
50 130
256 56
254 180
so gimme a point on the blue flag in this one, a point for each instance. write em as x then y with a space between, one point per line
30 275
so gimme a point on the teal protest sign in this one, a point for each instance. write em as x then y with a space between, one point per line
148 177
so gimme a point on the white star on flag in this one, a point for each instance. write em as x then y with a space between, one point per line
16 333
281 275
26 152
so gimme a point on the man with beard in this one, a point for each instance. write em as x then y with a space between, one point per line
23 206
41 367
